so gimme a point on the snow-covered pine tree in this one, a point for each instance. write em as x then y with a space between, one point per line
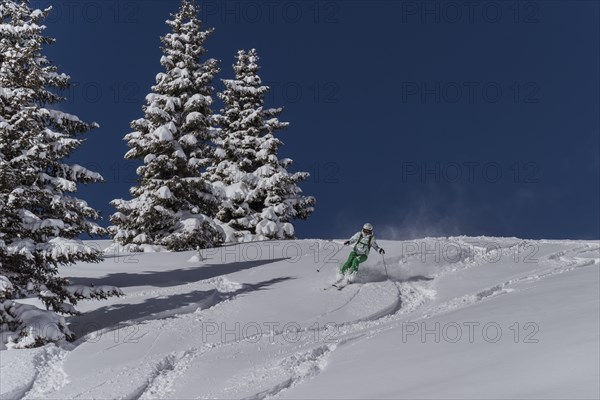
41 219
261 195
172 204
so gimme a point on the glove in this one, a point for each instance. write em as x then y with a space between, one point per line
347 243
381 251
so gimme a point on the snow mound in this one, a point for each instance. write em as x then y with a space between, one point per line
25 326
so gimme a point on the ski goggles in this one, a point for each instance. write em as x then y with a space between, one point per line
367 231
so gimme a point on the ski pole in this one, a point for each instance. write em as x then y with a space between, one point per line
325 262
385 266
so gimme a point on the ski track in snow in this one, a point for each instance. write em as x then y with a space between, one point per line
300 362
343 305
165 373
300 367
563 265
49 375
303 366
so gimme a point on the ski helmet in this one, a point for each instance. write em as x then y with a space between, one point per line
368 228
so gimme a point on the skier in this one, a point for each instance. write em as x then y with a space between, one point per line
363 241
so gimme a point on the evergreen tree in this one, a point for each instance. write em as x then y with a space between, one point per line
261 195
172 204
41 220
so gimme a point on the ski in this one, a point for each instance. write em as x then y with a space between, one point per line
339 285
342 285
333 285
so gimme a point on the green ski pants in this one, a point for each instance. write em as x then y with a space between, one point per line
353 261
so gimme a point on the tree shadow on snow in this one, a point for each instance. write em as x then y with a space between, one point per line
173 277
113 317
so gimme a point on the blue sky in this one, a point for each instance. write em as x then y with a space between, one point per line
425 118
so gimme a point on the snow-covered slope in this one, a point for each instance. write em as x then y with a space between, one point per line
459 318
